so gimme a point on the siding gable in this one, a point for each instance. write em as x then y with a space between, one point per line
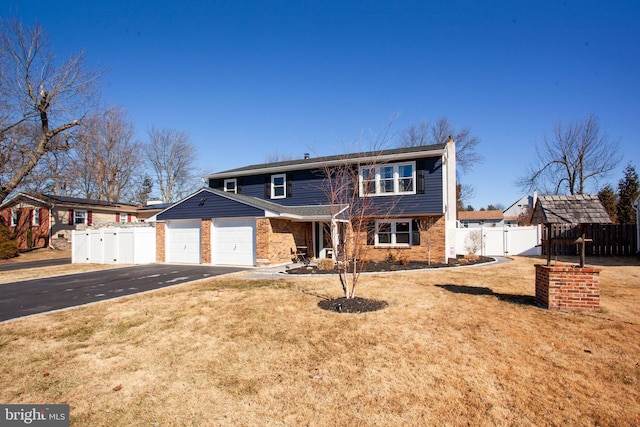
205 204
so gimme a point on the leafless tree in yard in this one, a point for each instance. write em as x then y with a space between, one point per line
172 158
575 155
41 101
108 152
352 210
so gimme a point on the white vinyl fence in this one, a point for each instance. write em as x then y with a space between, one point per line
114 246
500 241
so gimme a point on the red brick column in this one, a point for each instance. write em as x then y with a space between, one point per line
205 241
568 287
160 242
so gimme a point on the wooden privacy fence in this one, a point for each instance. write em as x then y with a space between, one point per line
602 239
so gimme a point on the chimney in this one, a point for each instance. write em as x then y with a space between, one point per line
306 156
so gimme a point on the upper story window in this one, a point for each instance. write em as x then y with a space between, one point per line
14 217
80 217
388 179
279 186
231 185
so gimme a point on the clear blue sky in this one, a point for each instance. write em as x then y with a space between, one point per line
247 79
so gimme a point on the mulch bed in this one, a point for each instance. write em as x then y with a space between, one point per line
352 305
378 267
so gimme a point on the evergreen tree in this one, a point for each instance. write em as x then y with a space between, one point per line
144 192
609 201
628 190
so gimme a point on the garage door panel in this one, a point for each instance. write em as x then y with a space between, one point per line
183 242
232 242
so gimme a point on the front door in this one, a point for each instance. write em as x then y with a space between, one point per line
324 247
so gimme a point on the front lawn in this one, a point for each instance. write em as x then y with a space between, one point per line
454 347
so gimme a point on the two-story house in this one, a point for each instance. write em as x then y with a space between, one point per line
263 214
44 220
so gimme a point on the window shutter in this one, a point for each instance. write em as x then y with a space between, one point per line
70 216
220 185
89 218
128 217
117 216
289 183
415 232
41 212
238 186
267 187
420 177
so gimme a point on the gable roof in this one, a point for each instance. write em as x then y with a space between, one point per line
269 208
576 209
319 162
490 215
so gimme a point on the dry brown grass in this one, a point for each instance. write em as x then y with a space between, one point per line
449 350
37 255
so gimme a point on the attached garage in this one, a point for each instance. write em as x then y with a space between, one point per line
233 241
183 241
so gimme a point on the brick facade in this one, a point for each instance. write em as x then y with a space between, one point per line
277 239
161 229
27 234
205 241
568 287
432 244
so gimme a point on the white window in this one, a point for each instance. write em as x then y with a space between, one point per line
122 217
14 217
278 186
80 217
393 232
36 217
231 185
395 178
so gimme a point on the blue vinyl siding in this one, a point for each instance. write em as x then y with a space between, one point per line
205 204
307 190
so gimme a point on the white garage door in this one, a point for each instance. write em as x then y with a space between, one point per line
183 242
232 241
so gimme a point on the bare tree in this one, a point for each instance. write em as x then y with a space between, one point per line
571 158
352 214
172 158
421 133
108 152
41 101
473 242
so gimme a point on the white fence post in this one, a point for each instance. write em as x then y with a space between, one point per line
503 241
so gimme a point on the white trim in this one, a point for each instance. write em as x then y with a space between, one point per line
393 232
284 186
235 185
86 217
35 214
395 179
14 217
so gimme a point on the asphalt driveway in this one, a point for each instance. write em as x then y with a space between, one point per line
29 297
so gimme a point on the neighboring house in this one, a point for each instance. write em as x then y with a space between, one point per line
524 206
43 220
264 214
476 219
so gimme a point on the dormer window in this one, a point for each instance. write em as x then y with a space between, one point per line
231 185
388 179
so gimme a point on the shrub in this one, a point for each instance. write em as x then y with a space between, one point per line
325 264
8 244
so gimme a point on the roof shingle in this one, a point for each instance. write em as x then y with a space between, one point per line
574 209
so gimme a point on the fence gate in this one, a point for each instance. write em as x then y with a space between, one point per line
114 246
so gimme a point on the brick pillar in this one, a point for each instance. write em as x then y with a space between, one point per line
568 287
263 236
160 242
205 241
